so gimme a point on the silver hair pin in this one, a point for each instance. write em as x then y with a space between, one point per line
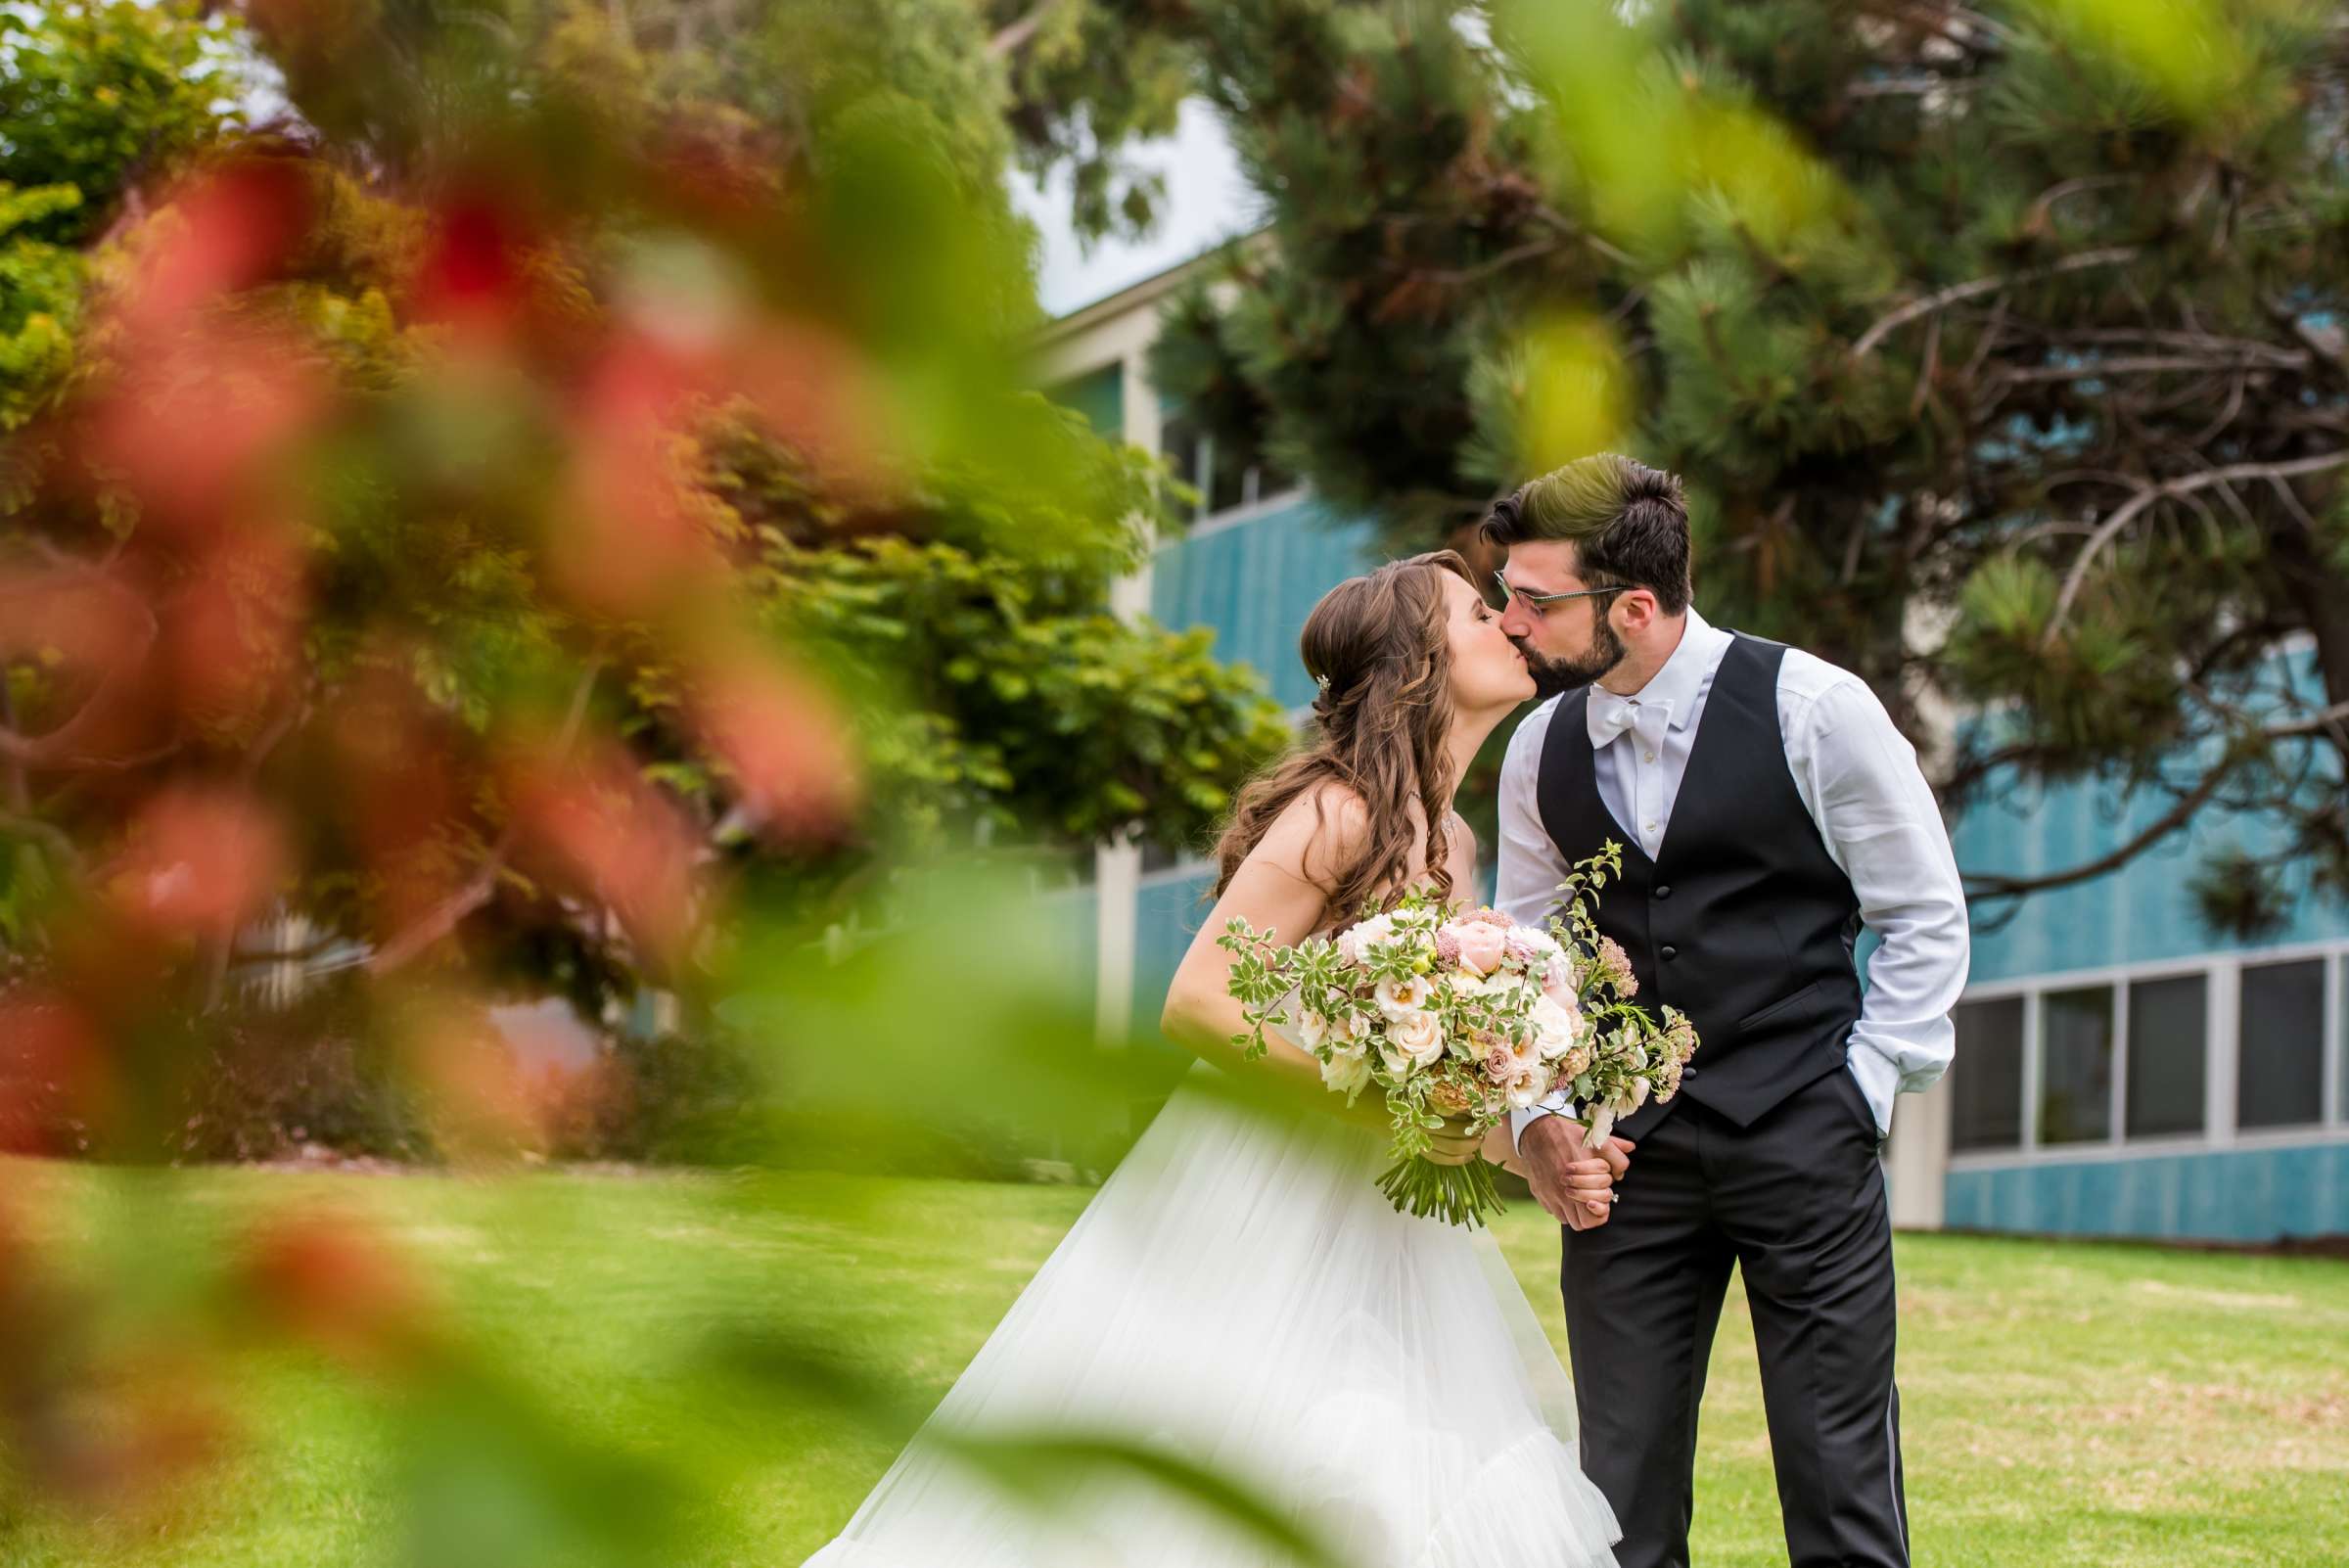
1321 682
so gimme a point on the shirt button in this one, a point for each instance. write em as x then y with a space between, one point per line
1664 893
1667 952
1650 757
1651 827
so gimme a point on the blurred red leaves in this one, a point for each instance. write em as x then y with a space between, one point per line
331 1282
197 862
56 1076
233 227
784 739
211 707
596 827
393 788
96 631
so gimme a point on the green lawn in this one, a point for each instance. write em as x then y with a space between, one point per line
2103 1406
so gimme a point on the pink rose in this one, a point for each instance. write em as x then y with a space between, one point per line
1482 946
1500 1065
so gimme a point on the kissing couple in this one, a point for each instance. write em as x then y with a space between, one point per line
1241 1299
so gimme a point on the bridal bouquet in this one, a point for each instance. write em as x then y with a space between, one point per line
1464 1014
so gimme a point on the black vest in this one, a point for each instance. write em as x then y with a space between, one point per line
1743 921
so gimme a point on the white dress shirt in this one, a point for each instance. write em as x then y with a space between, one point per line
1857 777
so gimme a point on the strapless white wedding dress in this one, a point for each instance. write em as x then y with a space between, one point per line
1241 1295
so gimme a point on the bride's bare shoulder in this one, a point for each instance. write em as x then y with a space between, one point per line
1324 829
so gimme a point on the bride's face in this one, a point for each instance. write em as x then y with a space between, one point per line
1487 670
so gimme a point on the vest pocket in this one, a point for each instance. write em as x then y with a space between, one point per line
1785 1007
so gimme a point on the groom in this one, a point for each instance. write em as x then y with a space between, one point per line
1767 808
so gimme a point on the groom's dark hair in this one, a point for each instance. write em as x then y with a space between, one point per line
1627 522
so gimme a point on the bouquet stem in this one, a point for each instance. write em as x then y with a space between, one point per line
1458 1194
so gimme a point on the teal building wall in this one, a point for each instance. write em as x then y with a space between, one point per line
1256 579
2224 1182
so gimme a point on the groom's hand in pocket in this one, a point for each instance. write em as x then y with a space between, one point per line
1575 1184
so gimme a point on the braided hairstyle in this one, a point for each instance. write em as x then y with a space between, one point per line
1377 647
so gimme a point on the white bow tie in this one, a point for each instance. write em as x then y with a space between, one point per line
1610 716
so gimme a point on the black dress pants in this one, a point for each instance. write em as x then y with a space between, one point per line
1797 1202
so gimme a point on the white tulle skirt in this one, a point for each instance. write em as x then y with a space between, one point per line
1241 1295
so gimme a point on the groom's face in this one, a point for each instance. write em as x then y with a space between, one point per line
1566 644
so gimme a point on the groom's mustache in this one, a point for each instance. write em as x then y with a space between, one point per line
1551 678
1554 675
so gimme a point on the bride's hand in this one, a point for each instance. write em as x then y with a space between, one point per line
1454 1144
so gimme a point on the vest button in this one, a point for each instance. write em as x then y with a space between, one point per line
1667 952
1664 893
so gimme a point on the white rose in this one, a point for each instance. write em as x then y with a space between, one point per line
1555 1026
1418 1034
1368 934
1312 1029
1526 1088
1399 996
1348 1071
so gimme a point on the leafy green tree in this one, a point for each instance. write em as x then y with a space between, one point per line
102 95
40 300
927 546
95 99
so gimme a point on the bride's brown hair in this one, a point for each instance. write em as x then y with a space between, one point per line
1376 644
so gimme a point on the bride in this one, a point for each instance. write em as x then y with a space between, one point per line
1239 1295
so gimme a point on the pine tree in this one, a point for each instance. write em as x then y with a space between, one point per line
2001 346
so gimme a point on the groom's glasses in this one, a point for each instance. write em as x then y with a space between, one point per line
1540 602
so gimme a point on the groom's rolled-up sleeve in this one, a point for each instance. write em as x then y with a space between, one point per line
1860 778
1526 882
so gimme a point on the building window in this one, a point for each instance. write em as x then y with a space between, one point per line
2075 1066
2283 1071
2167 1025
1986 1076
1226 475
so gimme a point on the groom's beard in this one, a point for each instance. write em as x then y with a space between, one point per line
1554 675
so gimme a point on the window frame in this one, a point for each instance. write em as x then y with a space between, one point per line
2222 1056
